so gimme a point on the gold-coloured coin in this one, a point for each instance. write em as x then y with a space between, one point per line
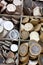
23 50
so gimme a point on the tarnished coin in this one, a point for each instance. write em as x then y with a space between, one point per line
10 55
24 34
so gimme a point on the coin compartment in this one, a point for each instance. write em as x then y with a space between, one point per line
18 10
7 53
21 61
28 39
36 24
15 20
29 5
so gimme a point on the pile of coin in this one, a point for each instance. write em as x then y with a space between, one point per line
8 52
29 52
32 28
24 56
10 6
8 28
32 32
33 7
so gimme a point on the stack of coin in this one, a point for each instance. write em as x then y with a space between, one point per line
24 56
5 26
31 28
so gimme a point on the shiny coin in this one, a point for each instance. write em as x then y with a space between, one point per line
34 36
11 8
14 47
8 25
